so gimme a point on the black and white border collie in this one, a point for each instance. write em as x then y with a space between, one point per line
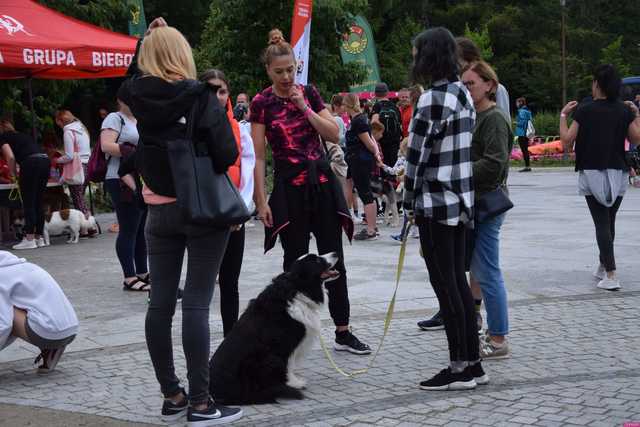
256 361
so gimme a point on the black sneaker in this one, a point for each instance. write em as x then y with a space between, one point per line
447 380
433 324
364 235
346 341
50 358
478 373
174 411
213 415
527 169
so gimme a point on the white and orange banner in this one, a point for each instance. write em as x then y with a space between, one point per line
301 38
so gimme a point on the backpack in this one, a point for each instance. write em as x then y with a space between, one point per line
390 118
98 163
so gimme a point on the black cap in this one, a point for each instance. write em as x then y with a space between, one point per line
381 89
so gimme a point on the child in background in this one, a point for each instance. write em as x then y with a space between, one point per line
398 171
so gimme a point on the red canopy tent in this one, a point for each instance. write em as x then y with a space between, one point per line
41 43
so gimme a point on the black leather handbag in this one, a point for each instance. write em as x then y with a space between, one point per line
206 198
492 204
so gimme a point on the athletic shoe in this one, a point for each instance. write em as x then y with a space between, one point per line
50 358
364 235
478 373
609 284
174 411
490 350
600 272
26 244
525 170
346 341
397 237
447 380
212 415
433 324
41 243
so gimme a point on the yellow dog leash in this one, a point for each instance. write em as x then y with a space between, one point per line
15 193
387 319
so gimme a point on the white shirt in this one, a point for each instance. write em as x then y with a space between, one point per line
128 133
30 288
247 164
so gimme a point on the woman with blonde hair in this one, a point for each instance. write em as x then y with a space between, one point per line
161 95
490 150
361 156
76 139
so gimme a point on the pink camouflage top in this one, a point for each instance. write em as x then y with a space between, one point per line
291 137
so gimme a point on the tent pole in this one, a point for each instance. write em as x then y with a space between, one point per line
33 112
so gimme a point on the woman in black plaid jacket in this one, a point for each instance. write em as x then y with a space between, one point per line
439 192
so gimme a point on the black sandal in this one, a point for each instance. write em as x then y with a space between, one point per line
136 285
146 278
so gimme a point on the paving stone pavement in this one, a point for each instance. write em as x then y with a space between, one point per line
575 348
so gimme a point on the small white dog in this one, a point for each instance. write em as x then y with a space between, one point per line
68 220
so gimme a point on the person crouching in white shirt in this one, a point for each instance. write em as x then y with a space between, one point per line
34 308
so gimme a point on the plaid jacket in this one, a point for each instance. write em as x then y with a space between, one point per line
439 173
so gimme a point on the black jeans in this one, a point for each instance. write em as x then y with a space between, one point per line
131 246
443 247
228 280
34 174
321 219
168 237
604 219
523 142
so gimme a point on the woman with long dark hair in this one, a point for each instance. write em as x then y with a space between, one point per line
599 129
306 197
241 174
439 195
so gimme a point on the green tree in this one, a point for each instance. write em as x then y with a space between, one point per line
612 54
482 39
234 38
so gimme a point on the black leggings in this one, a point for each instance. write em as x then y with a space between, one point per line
443 247
322 221
523 142
604 219
360 172
228 278
34 174
131 245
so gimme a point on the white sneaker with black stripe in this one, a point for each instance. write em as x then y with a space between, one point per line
212 415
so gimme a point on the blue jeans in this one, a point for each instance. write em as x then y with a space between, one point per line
485 268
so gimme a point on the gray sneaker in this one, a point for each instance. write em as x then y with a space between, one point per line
489 350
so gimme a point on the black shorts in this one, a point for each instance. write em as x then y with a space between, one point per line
360 171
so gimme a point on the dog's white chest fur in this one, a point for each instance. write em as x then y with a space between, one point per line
307 312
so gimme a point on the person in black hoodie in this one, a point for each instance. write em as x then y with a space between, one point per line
161 94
